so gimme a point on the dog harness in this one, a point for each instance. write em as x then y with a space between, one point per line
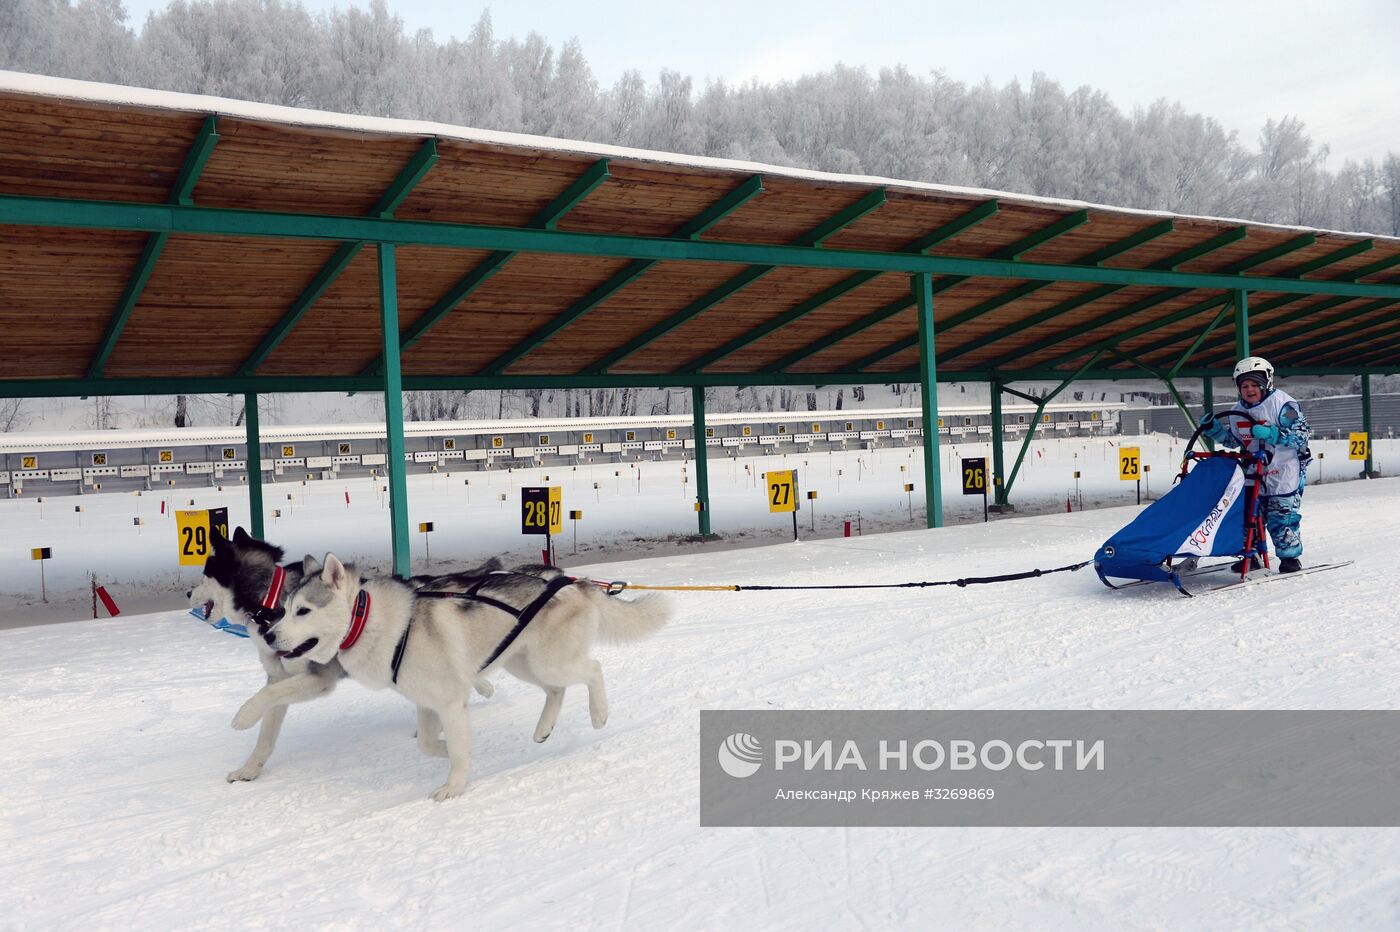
523 616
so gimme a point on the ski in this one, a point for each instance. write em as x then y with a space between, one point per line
1202 571
1275 576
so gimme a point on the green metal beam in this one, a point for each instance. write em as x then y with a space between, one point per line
155 218
716 212
896 306
1257 259
393 411
254 466
998 443
702 460
1224 353
546 219
181 193
1241 324
1012 252
1170 263
412 172
1096 258
811 240
1035 421
922 287
1346 252
1109 342
1163 377
944 233
1179 338
1354 338
1366 423
1219 319
1320 331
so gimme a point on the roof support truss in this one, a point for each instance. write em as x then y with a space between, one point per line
1096 259
181 193
722 208
1171 263
384 208
918 247
813 238
1013 252
546 219
103 215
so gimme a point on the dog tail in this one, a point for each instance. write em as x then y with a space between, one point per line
630 620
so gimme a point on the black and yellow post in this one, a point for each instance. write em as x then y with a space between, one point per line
41 554
974 480
426 528
541 512
782 494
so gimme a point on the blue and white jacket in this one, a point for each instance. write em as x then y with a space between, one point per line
1287 470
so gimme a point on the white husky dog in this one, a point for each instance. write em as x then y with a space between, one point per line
385 633
243 580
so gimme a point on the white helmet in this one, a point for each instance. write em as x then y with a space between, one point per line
1256 366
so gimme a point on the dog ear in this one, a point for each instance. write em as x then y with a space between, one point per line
310 566
334 575
241 537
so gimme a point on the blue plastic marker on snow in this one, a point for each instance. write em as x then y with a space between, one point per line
222 624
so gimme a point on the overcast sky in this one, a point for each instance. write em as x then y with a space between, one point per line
1334 65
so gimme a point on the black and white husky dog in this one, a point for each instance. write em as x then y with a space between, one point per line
245 578
430 649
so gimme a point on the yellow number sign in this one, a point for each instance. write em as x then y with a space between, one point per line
497 442
587 438
193 530
166 456
816 428
288 450
229 453
1129 463
782 490
541 510
670 434
1357 445
748 431
99 459
29 462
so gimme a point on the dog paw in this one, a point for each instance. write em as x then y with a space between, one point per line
541 738
599 720
447 791
244 774
484 688
248 716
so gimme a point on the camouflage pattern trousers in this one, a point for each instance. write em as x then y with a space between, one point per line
1281 517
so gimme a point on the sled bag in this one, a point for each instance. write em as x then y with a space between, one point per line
1203 516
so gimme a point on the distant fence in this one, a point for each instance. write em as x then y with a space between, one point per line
1334 416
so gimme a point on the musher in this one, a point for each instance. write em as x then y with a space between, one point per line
1283 435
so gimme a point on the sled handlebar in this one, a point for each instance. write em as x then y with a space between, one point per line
1196 435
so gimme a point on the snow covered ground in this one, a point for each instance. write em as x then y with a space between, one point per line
115 813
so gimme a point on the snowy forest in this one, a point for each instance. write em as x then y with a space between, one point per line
902 122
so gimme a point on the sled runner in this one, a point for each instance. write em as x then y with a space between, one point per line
1215 509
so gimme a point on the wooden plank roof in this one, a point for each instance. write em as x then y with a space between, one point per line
675 307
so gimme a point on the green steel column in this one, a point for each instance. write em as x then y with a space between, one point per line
1241 324
998 456
393 409
1207 404
922 286
702 466
254 459
1366 420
